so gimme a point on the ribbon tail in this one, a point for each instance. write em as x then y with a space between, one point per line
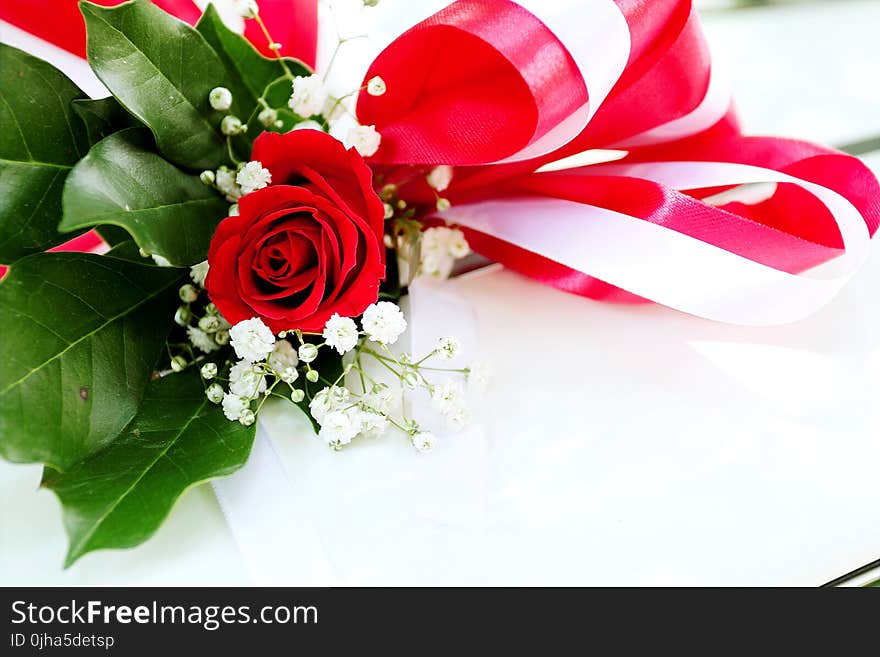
269 522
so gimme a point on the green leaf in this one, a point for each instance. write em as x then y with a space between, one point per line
103 117
40 141
122 182
161 70
120 495
81 334
249 73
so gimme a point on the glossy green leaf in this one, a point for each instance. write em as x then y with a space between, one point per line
249 73
122 182
161 70
81 334
40 140
103 117
120 495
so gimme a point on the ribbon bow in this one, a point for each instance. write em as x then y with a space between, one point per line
519 96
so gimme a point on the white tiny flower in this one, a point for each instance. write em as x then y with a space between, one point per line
252 339
211 323
383 322
341 333
309 95
307 352
207 177
214 393
364 139
424 441
321 405
478 376
379 399
448 348
283 356
440 177
443 204
221 337
288 374
220 98
188 293
372 425
231 125
313 376
338 428
209 371
458 245
308 125
162 261
376 86
246 380
233 210
447 396
267 117
178 363
225 181
252 176
296 396
201 340
457 418
182 316
233 406
247 417
199 272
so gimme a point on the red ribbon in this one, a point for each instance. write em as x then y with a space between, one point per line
477 81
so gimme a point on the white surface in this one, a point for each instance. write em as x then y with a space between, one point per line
630 446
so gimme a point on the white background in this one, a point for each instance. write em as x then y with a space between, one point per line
624 445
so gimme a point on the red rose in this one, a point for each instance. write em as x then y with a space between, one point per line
307 246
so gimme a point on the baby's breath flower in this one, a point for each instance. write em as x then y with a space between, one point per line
312 375
182 316
214 393
207 177
267 117
440 177
424 441
447 396
364 139
372 424
248 8
220 98
252 339
379 399
199 272
209 371
309 95
307 352
448 348
160 260
341 333
200 339
383 322
188 293
233 210
246 380
288 374
247 417
178 363
283 356
225 182
339 427
443 204
221 337
296 396
231 126
210 323
234 406
253 176
376 86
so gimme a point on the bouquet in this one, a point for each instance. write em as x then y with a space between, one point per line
261 228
